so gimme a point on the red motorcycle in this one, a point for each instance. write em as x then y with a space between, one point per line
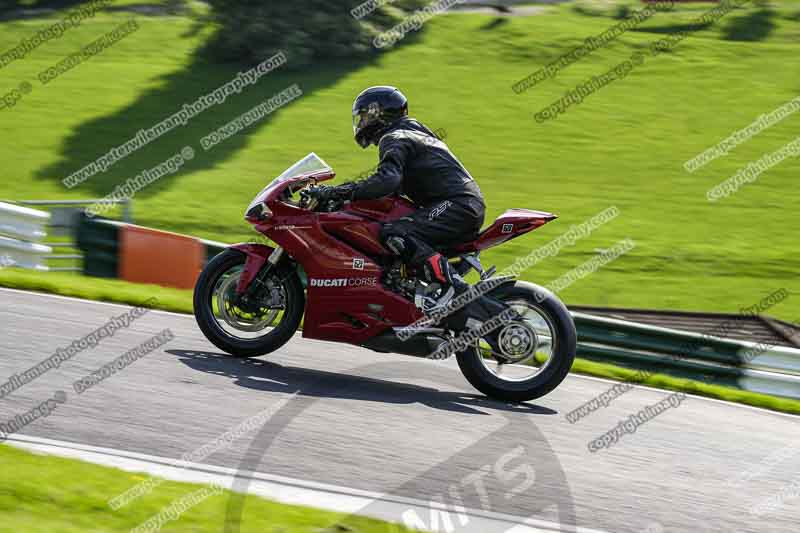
329 265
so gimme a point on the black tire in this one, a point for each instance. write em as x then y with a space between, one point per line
203 310
552 375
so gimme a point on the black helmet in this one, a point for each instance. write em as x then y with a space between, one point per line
374 110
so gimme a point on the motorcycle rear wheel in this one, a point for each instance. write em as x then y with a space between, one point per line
551 354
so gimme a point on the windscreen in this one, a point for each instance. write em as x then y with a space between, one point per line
310 163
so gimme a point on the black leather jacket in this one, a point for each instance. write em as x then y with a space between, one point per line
416 163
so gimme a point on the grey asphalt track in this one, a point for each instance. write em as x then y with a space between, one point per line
403 426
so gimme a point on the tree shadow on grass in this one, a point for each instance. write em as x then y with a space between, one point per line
753 27
495 23
43 8
10 11
96 137
674 28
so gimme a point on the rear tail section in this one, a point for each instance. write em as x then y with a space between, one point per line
511 224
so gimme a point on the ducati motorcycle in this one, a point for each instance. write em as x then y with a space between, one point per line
325 266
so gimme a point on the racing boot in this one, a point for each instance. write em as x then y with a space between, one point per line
437 270
481 309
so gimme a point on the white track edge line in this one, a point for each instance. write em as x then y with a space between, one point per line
334 497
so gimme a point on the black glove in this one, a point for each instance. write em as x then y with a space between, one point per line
325 193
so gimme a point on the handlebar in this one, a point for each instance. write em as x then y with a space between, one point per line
309 199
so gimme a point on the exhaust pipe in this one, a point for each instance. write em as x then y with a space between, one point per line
420 345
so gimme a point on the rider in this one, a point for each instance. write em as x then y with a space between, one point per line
416 163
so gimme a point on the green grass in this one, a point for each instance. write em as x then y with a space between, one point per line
662 381
623 146
100 289
180 301
43 494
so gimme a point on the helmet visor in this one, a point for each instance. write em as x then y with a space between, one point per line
361 119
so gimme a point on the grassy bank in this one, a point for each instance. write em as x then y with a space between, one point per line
623 146
42 494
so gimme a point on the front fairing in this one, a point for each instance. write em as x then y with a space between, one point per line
275 190
310 169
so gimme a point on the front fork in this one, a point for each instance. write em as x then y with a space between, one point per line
253 281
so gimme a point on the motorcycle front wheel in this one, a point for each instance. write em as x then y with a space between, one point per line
538 350
246 330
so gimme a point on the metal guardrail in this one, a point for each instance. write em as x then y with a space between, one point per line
759 367
737 326
64 222
126 203
20 230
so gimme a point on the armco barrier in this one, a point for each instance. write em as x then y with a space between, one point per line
751 366
631 335
738 326
20 229
64 220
